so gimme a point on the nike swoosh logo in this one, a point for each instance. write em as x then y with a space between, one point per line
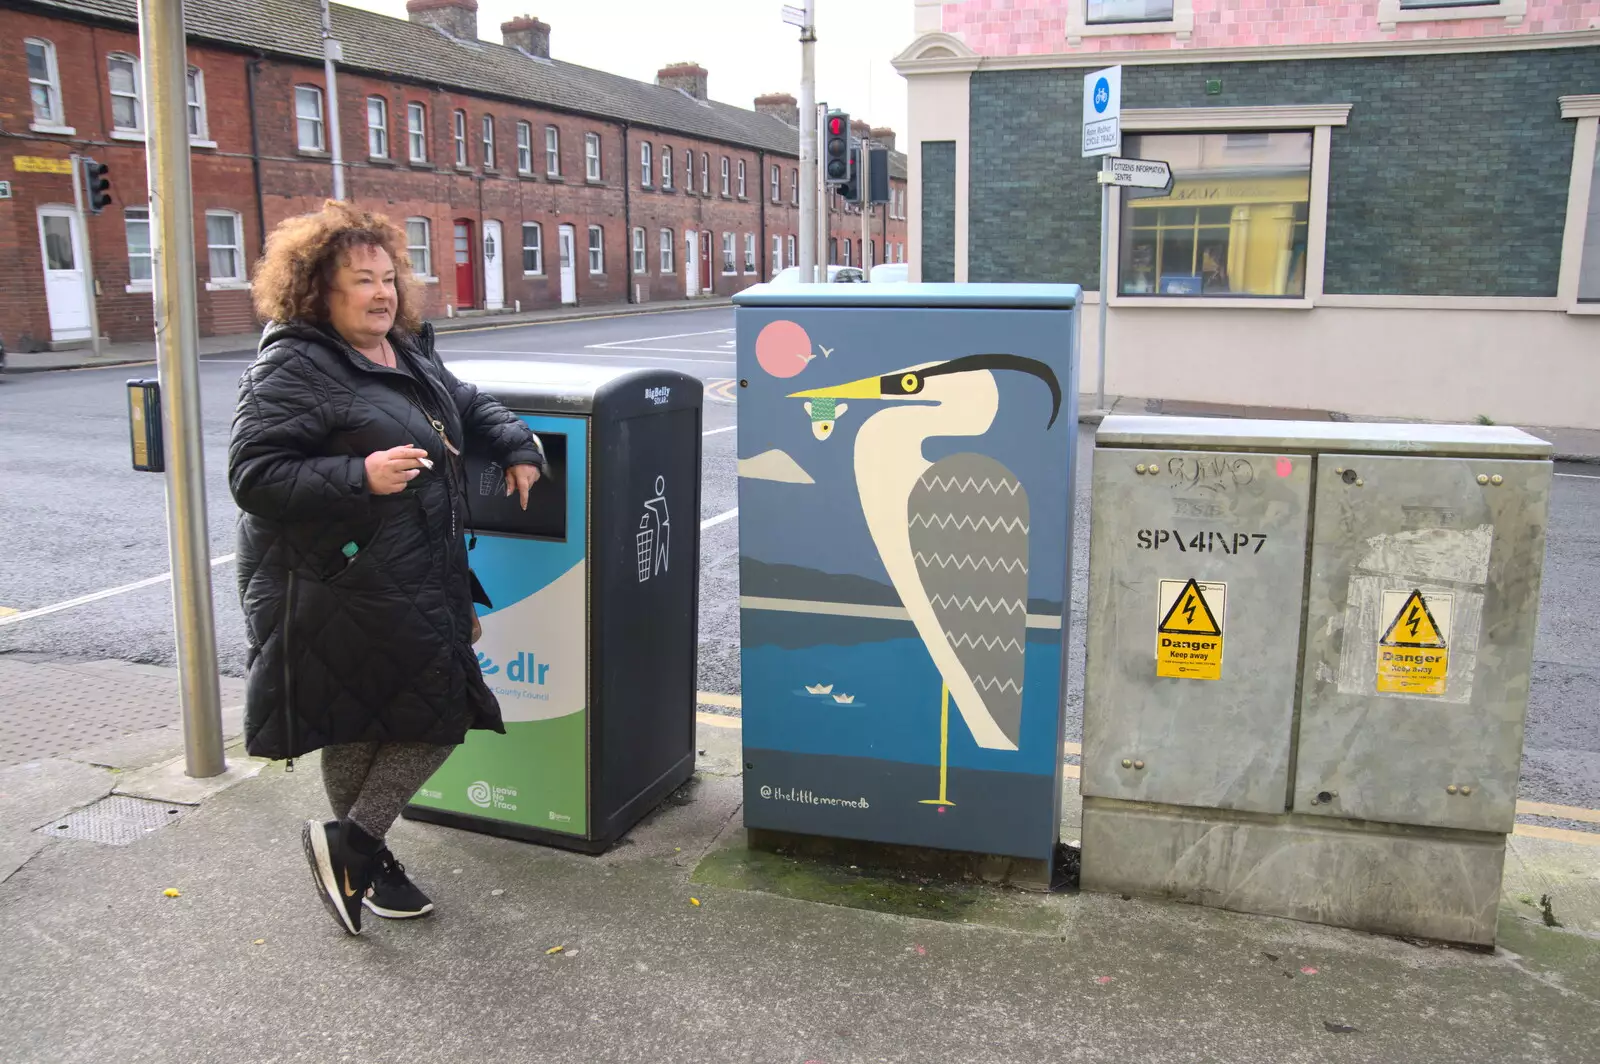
348 892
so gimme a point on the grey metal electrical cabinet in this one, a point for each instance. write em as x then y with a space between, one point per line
1309 650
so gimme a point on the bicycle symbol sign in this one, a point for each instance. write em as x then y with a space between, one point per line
1102 95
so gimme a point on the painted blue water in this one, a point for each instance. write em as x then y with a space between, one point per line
895 714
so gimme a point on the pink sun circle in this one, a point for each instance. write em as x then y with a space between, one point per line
783 348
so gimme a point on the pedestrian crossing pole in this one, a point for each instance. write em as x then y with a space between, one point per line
808 134
177 326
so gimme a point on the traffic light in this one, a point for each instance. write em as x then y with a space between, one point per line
96 185
850 188
836 148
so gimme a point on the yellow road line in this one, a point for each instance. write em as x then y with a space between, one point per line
1072 748
718 720
708 698
1539 831
6 611
1070 771
1564 812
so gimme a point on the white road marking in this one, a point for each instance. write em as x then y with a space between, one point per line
713 432
670 336
83 600
671 350
1579 476
707 523
590 355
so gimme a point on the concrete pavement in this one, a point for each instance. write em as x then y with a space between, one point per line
783 960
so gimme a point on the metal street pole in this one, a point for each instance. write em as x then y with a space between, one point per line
177 327
78 194
819 189
1105 268
332 50
864 184
808 143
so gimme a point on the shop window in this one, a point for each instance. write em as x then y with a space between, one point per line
1101 12
1236 222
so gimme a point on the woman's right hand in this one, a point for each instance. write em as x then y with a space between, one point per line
390 471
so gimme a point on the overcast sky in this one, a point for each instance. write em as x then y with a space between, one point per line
745 44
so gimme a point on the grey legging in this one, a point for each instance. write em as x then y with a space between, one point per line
371 782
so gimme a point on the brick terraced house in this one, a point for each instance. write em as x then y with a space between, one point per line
521 180
1389 207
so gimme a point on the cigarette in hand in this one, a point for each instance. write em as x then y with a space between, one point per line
425 463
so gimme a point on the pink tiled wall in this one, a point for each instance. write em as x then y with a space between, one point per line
1024 27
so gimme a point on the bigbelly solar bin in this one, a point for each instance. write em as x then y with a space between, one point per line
590 643
906 459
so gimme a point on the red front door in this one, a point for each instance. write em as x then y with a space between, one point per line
706 273
466 294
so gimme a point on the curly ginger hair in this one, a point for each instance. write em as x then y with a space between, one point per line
303 253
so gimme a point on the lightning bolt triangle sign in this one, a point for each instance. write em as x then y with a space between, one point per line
1413 626
1190 614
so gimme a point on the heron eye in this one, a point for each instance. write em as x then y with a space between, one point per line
909 383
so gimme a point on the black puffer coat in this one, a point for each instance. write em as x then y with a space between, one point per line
374 646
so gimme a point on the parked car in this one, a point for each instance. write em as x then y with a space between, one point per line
2 354
836 275
891 273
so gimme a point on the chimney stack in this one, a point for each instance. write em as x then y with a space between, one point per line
859 129
779 105
528 34
884 137
690 77
458 18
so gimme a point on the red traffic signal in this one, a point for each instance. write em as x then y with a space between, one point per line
836 148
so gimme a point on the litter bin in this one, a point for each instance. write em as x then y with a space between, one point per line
905 513
1309 648
590 643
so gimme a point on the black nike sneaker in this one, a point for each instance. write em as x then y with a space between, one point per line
393 895
341 873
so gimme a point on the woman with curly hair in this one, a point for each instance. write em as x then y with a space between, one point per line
346 462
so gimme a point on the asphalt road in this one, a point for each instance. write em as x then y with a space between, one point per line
76 520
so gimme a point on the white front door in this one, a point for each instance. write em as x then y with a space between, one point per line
691 262
494 281
62 246
568 241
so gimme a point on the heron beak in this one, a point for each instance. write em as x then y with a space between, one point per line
865 388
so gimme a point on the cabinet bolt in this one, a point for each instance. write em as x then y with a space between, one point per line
1127 762
1483 478
1139 765
1497 480
1450 789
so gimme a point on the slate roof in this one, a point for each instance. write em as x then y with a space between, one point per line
378 44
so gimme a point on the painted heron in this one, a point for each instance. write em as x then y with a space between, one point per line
952 534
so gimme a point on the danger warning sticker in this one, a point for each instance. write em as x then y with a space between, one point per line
1414 650
1189 629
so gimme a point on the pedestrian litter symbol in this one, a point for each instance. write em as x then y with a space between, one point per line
654 541
1189 632
1414 651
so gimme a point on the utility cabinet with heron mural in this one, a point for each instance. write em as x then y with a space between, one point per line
906 463
1309 650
